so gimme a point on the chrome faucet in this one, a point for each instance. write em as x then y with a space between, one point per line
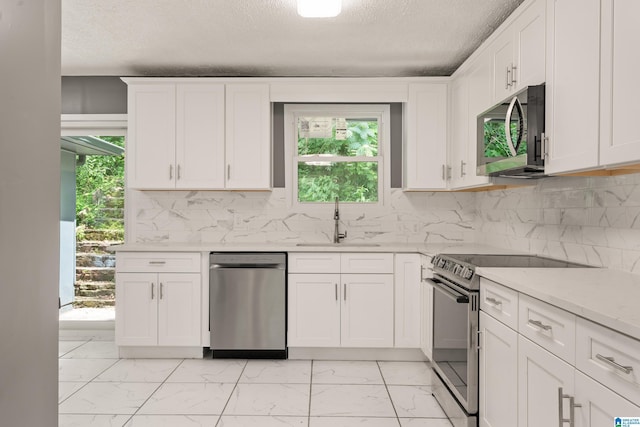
336 233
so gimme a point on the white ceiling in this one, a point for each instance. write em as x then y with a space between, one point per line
268 38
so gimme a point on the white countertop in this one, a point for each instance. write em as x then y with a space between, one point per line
608 297
429 249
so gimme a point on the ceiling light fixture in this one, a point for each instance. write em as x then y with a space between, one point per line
319 8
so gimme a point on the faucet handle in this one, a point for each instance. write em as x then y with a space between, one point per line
342 235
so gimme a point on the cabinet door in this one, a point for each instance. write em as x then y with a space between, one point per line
426 145
151 141
573 85
599 404
503 62
479 78
137 309
314 310
426 320
459 131
179 309
619 138
529 33
200 136
498 406
407 301
367 310
540 375
248 136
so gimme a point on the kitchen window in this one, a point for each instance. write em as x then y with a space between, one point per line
337 151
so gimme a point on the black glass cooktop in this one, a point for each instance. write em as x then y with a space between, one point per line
516 261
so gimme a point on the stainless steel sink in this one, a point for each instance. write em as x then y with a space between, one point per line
337 245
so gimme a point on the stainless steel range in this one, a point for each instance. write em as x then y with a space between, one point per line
455 326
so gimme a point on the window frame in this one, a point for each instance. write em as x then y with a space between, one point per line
379 111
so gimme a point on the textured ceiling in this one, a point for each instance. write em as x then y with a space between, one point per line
268 38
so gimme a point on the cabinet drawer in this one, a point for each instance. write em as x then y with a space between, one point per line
499 302
314 262
163 262
366 263
548 326
609 357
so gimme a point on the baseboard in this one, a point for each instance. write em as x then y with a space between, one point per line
130 352
387 354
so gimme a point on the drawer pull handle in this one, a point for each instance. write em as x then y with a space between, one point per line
493 301
612 362
157 262
539 324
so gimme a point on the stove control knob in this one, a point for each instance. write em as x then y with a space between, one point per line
469 274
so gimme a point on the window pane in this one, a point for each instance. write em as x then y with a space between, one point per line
337 136
349 181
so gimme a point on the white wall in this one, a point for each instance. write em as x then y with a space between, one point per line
586 219
29 211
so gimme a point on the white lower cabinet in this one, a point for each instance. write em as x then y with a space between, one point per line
498 405
540 376
407 300
338 309
599 405
160 309
159 299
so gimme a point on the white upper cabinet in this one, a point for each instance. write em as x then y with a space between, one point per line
572 91
151 143
459 131
619 137
248 132
425 154
198 135
518 53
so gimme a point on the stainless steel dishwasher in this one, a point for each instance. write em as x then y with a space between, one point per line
247 305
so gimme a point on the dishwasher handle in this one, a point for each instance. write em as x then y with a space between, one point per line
247 266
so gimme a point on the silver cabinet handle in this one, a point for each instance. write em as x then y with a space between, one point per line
493 301
336 292
539 324
178 172
161 288
157 262
506 83
443 177
345 291
152 289
612 362
462 165
448 172
228 171
513 75
572 409
170 171
479 340
545 146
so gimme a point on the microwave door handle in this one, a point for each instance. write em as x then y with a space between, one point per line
507 126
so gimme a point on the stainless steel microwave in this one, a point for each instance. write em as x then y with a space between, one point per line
510 136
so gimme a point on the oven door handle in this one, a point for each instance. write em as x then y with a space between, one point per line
456 296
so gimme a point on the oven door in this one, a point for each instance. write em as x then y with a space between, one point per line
455 334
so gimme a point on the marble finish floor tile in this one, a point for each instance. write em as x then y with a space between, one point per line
108 398
261 421
82 369
66 389
351 400
406 373
353 422
269 399
415 401
208 370
139 370
188 399
94 350
173 421
69 420
425 422
65 347
346 372
277 372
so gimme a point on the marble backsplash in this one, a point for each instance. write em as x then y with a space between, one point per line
239 217
594 220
